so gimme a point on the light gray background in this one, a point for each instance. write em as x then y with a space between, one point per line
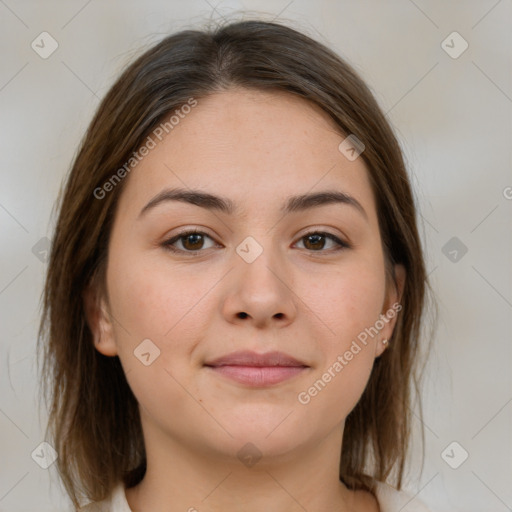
453 117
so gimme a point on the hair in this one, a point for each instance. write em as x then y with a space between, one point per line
94 420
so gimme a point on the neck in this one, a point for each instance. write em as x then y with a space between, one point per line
184 476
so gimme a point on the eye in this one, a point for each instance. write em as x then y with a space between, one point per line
191 241
316 241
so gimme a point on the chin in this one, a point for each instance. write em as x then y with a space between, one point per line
276 440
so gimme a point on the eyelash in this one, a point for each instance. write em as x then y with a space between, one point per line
168 243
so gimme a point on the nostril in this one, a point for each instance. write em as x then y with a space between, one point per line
242 315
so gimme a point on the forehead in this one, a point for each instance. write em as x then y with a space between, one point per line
251 146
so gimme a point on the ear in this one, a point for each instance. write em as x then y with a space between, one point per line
391 307
99 321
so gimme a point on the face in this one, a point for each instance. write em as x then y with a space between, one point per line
304 278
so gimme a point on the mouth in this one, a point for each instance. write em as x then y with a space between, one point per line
257 370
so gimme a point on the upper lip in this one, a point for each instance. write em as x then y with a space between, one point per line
248 358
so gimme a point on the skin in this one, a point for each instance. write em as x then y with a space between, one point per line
303 298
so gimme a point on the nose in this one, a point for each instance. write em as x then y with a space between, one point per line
260 293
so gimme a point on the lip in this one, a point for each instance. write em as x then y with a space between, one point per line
257 370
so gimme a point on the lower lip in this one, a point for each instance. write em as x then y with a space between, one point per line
258 376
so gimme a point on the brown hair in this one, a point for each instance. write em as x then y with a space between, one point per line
94 420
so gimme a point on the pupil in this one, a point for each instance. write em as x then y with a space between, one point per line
317 240
195 239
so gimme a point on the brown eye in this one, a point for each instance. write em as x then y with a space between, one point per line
191 241
316 241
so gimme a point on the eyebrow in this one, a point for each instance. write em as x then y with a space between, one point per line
225 205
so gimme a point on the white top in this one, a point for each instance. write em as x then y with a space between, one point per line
390 500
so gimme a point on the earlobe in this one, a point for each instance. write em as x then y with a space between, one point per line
99 322
380 347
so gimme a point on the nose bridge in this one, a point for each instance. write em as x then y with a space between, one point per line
259 287
261 264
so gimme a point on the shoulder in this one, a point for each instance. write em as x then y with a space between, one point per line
115 503
391 500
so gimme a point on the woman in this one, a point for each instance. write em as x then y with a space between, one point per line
236 286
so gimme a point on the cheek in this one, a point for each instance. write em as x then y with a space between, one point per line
166 304
348 301
349 305
153 302
168 307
